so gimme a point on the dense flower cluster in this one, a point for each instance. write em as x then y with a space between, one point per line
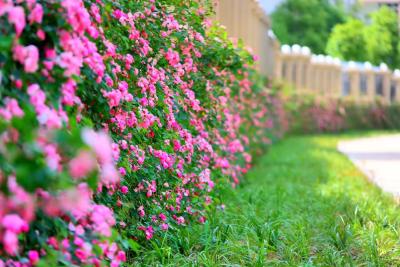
311 114
119 120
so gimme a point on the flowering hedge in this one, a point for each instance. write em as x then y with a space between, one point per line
119 120
310 114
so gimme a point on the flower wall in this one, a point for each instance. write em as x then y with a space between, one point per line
119 121
310 114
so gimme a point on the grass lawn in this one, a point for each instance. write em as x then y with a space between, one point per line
304 204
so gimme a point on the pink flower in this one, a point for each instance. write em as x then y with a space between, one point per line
36 14
14 223
202 219
82 165
50 118
172 57
100 143
124 189
41 34
31 59
121 256
141 211
180 220
52 157
33 256
114 97
68 91
28 56
10 242
109 175
148 231
164 226
71 63
162 217
37 97
5 6
103 220
16 16
11 109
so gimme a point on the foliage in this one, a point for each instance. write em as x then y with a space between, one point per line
375 42
307 23
304 204
347 41
382 37
308 114
120 122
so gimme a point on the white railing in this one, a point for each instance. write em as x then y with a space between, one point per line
298 67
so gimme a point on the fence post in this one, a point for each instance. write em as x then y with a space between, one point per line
306 64
287 69
396 78
354 74
386 82
337 76
312 74
369 72
277 58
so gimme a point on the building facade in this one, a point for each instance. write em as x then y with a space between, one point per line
368 6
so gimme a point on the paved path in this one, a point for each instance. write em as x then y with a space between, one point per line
379 158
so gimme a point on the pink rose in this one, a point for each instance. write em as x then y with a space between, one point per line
33 256
81 165
124 189
36 14
16 16
10 242
28 56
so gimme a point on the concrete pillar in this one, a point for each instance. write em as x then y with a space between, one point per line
338 82
386 87
306 71
354 75
296 65
369 72
278 61
355 84
385 73
310 77
396 78
313 74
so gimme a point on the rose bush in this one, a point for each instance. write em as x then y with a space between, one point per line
311 114
119 121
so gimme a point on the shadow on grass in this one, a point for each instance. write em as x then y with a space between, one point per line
304 204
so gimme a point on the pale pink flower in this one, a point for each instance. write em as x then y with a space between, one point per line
41 34
5 6
164 226
100 143
82 165
28 56
11 109
10 242
16 16
36 14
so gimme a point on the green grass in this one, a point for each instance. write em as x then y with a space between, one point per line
304 204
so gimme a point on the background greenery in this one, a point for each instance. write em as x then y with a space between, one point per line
327 28
307 23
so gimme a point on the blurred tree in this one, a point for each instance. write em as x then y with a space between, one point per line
377 42
306 22
347 41
382 37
